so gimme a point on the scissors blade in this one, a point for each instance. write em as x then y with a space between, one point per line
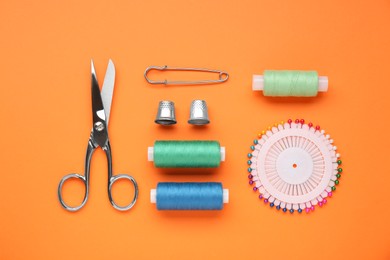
99 128
108 89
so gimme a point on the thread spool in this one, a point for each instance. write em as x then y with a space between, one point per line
189 196
290 83
186 154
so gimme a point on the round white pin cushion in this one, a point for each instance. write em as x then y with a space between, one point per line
294 166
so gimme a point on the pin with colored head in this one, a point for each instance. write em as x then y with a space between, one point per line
285 83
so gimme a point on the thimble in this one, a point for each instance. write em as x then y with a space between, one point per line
198 113
166 113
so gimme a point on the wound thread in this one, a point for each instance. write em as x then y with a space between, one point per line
290 83
189 196
187 154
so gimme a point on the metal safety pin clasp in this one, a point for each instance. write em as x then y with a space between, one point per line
223 76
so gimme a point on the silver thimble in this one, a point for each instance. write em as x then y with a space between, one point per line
198 113
166 113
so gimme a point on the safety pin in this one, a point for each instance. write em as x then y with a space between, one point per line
223 76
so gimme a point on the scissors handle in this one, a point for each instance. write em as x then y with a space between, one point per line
111 182
85 179
63 180
113 178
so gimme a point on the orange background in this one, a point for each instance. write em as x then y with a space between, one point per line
45 50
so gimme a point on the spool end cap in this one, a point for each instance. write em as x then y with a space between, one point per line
258 83
223 153
153 196
150 154
322 84
225 195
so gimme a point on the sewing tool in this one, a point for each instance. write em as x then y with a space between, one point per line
294 166
285 83
189 196
199 113
186 154
222 76
166 113
101 106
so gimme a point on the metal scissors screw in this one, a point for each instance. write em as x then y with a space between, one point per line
101 107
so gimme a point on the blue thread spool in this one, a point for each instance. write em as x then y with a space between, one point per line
189 196
186 154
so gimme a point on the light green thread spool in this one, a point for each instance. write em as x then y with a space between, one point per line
284 83
186 154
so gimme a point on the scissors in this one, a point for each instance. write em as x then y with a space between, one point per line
101 106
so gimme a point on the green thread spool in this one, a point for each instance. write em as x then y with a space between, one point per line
186 154
285 83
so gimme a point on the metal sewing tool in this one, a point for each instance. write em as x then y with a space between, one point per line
198 113
222 76
166 113
101 105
